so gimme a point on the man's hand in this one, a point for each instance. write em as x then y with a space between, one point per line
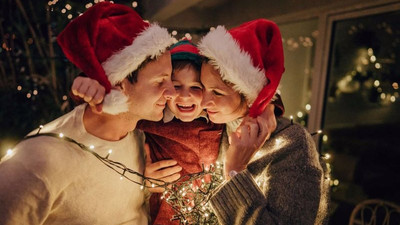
90 91
165 170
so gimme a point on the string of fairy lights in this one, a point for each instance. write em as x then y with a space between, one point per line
188 196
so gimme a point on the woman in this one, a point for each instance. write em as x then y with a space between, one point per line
281 181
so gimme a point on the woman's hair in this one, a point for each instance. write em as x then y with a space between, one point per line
243 99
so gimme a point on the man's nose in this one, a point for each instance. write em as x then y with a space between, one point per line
170 92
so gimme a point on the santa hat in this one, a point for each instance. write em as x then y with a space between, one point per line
108 42
250 57
185 50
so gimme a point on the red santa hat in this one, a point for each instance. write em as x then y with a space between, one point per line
108 42
250 57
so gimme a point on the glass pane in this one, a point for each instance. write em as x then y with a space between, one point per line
299 46
362 108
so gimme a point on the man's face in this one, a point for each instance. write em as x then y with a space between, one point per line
148 96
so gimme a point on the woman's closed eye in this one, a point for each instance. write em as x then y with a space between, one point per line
217 93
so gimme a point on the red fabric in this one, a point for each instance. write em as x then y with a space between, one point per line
191 144
93 37
262 39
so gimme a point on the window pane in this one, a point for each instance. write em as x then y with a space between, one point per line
299 45
362 107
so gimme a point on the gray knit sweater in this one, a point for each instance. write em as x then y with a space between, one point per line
284 183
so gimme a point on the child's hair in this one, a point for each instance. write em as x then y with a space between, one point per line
185 54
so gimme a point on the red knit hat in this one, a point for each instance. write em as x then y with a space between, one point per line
185 50
108 42
250 57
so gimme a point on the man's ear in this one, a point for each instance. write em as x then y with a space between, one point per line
123 86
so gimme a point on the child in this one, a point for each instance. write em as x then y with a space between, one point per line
185 134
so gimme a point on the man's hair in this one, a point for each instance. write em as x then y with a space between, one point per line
133 76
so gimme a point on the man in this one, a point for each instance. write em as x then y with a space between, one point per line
49 180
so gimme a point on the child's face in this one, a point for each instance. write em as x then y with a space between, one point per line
186 106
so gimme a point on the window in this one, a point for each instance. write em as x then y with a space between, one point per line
299 40
361 115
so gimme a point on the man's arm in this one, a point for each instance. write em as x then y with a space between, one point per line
24 197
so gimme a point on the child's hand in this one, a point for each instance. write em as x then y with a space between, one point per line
165 170
90 91
245 142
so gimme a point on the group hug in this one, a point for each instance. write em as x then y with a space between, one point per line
167 108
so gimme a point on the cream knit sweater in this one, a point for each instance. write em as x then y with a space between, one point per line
50 181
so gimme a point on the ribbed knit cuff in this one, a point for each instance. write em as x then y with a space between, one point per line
239 195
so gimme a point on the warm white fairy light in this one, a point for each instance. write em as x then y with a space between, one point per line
61 135
378 65
69 16
392 98
370 51
63 10
377 83
19 87
395 85
134 4
383 96
35 92
364 61
141 187
153 185
325 138
174 32
336 182
372 58
308 107
68 7
299 114
88 5
327 156
64 97
29 95
91 147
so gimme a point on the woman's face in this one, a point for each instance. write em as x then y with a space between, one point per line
222 103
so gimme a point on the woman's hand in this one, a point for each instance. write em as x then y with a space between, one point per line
90 91
165 170
248 138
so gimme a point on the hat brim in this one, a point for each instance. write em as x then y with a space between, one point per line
234 64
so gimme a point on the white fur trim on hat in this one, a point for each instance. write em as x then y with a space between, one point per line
234 64
151 42
115 102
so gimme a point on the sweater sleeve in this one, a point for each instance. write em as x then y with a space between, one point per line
240 201
286 187
32 180
24 197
